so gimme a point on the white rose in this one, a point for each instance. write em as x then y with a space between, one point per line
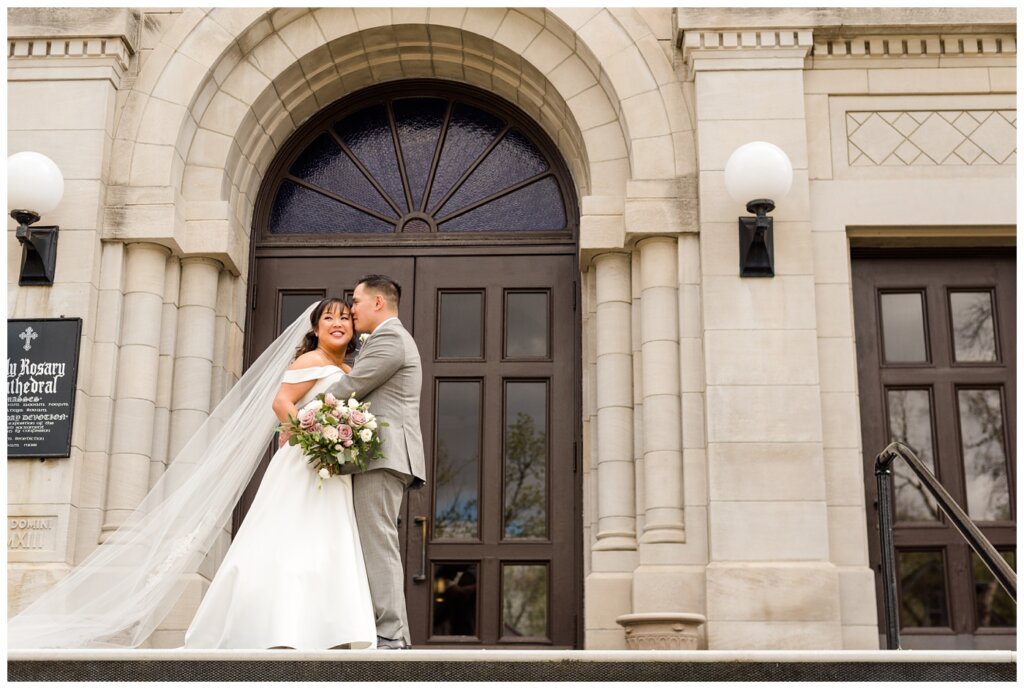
353 403
371 424
312 406
324 473
331 433
366 435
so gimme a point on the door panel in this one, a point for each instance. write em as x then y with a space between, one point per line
499 430
937 370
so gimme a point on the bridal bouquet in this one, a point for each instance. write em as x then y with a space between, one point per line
338 437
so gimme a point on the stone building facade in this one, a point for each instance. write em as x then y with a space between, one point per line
722 467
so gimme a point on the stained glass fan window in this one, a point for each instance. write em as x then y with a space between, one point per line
414 165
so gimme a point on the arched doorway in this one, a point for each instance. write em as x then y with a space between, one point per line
467 204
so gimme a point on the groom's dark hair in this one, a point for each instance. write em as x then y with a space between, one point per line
384 286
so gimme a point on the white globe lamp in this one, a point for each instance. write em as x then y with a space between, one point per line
35 186
758 174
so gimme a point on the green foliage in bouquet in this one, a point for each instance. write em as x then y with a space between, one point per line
337 437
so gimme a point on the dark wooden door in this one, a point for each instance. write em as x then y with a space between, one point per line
501 561
936 357
500 513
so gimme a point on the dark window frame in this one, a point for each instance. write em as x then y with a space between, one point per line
385 94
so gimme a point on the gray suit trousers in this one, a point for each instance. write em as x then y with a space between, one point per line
377 498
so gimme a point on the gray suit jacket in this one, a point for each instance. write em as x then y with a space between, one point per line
388 374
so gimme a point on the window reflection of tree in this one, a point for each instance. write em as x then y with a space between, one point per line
995 607
972 326
525 454
923 590
456 517
525 600
910 424
981 422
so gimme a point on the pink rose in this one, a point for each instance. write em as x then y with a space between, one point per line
347 443
357 418
345 434
330 400
307 419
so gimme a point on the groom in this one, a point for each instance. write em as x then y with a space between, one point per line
387 374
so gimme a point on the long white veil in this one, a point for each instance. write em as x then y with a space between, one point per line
119 594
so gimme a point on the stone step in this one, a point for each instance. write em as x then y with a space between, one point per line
504 665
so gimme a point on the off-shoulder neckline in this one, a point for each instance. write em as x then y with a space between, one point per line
313 368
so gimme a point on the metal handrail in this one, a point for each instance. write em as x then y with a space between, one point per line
1003 573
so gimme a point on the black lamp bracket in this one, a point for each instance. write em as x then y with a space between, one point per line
757 250
39 249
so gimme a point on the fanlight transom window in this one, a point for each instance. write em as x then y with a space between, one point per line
418 164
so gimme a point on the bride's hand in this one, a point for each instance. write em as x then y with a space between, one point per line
282 439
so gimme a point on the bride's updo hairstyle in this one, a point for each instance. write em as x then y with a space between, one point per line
310 341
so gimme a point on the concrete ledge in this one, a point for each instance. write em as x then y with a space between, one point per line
527 665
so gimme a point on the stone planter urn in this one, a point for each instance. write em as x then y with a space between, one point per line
657 631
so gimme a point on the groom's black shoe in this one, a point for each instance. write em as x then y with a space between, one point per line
391 644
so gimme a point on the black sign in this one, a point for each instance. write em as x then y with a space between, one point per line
42 370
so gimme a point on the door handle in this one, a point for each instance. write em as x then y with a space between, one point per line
422 523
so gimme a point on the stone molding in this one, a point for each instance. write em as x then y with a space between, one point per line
774 48
876 46
57 58
59 47
755 38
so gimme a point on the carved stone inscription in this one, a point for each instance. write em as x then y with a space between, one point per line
32 533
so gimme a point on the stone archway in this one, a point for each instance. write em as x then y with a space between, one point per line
216 100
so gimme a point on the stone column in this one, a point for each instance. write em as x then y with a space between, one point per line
663 457
225 294
137 369
616 528
608 586
194 349
168 335
639 502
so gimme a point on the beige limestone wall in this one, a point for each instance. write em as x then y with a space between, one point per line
62 96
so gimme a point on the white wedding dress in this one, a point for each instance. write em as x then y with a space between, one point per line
294 574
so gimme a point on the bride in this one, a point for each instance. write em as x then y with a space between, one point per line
294 574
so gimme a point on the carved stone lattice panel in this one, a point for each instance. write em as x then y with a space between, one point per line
931 137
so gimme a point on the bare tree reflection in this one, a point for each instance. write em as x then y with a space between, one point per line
525 454
910 424
922 590
525 600
995 607
973 331
455 513
981 430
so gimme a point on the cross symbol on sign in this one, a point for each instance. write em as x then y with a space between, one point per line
28 335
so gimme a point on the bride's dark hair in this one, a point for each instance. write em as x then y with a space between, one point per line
310 341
